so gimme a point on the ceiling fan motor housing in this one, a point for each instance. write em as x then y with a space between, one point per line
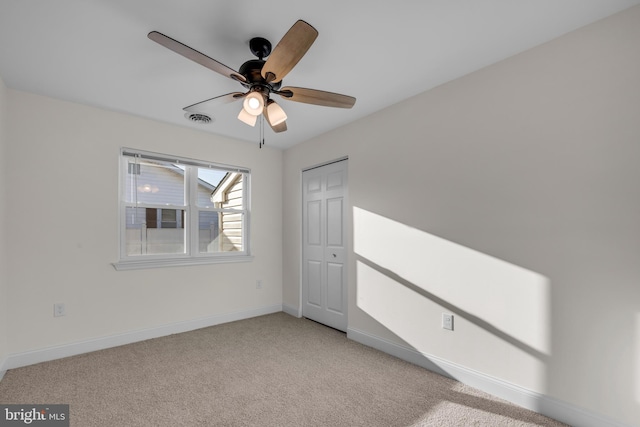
251 71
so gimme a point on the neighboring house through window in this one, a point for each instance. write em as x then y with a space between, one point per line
178 211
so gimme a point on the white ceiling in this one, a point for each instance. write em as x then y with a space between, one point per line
96 52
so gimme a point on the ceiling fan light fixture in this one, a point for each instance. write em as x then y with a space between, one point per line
275 113
247 118
254 103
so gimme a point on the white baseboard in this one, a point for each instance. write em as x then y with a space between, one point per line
58 352
291 310
543 404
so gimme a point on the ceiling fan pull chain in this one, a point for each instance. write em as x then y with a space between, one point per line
261 141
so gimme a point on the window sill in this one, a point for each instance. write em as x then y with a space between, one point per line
178 262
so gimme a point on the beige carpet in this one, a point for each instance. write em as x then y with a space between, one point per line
273 370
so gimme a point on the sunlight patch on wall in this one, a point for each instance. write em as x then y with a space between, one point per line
506 300
405 306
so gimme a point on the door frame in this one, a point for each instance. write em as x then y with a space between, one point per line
347 230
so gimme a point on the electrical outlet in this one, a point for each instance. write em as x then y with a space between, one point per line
447 321
258 284
58 310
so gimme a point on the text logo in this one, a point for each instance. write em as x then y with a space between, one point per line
34 415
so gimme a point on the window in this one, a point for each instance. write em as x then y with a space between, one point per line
178 211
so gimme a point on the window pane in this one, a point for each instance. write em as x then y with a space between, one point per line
145 235
172 218
220 231
209 180
167 201
154 182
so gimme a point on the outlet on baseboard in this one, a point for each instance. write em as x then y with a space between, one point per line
447 321
58 310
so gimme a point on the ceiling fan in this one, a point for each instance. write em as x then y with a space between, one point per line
262 78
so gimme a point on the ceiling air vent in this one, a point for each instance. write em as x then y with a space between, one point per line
198 118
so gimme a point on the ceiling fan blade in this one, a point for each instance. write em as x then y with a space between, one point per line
316 97
295 43
195 56
214 102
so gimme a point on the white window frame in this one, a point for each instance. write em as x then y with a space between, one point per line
192 255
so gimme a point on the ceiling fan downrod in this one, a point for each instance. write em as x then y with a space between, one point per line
260 47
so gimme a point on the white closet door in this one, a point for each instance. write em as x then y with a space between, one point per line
324 268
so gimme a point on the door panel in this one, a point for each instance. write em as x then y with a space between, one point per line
314 275
324 287
334 287
314 226
335 232
313 185
335 180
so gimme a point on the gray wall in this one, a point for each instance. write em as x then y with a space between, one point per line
509 197
3 271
